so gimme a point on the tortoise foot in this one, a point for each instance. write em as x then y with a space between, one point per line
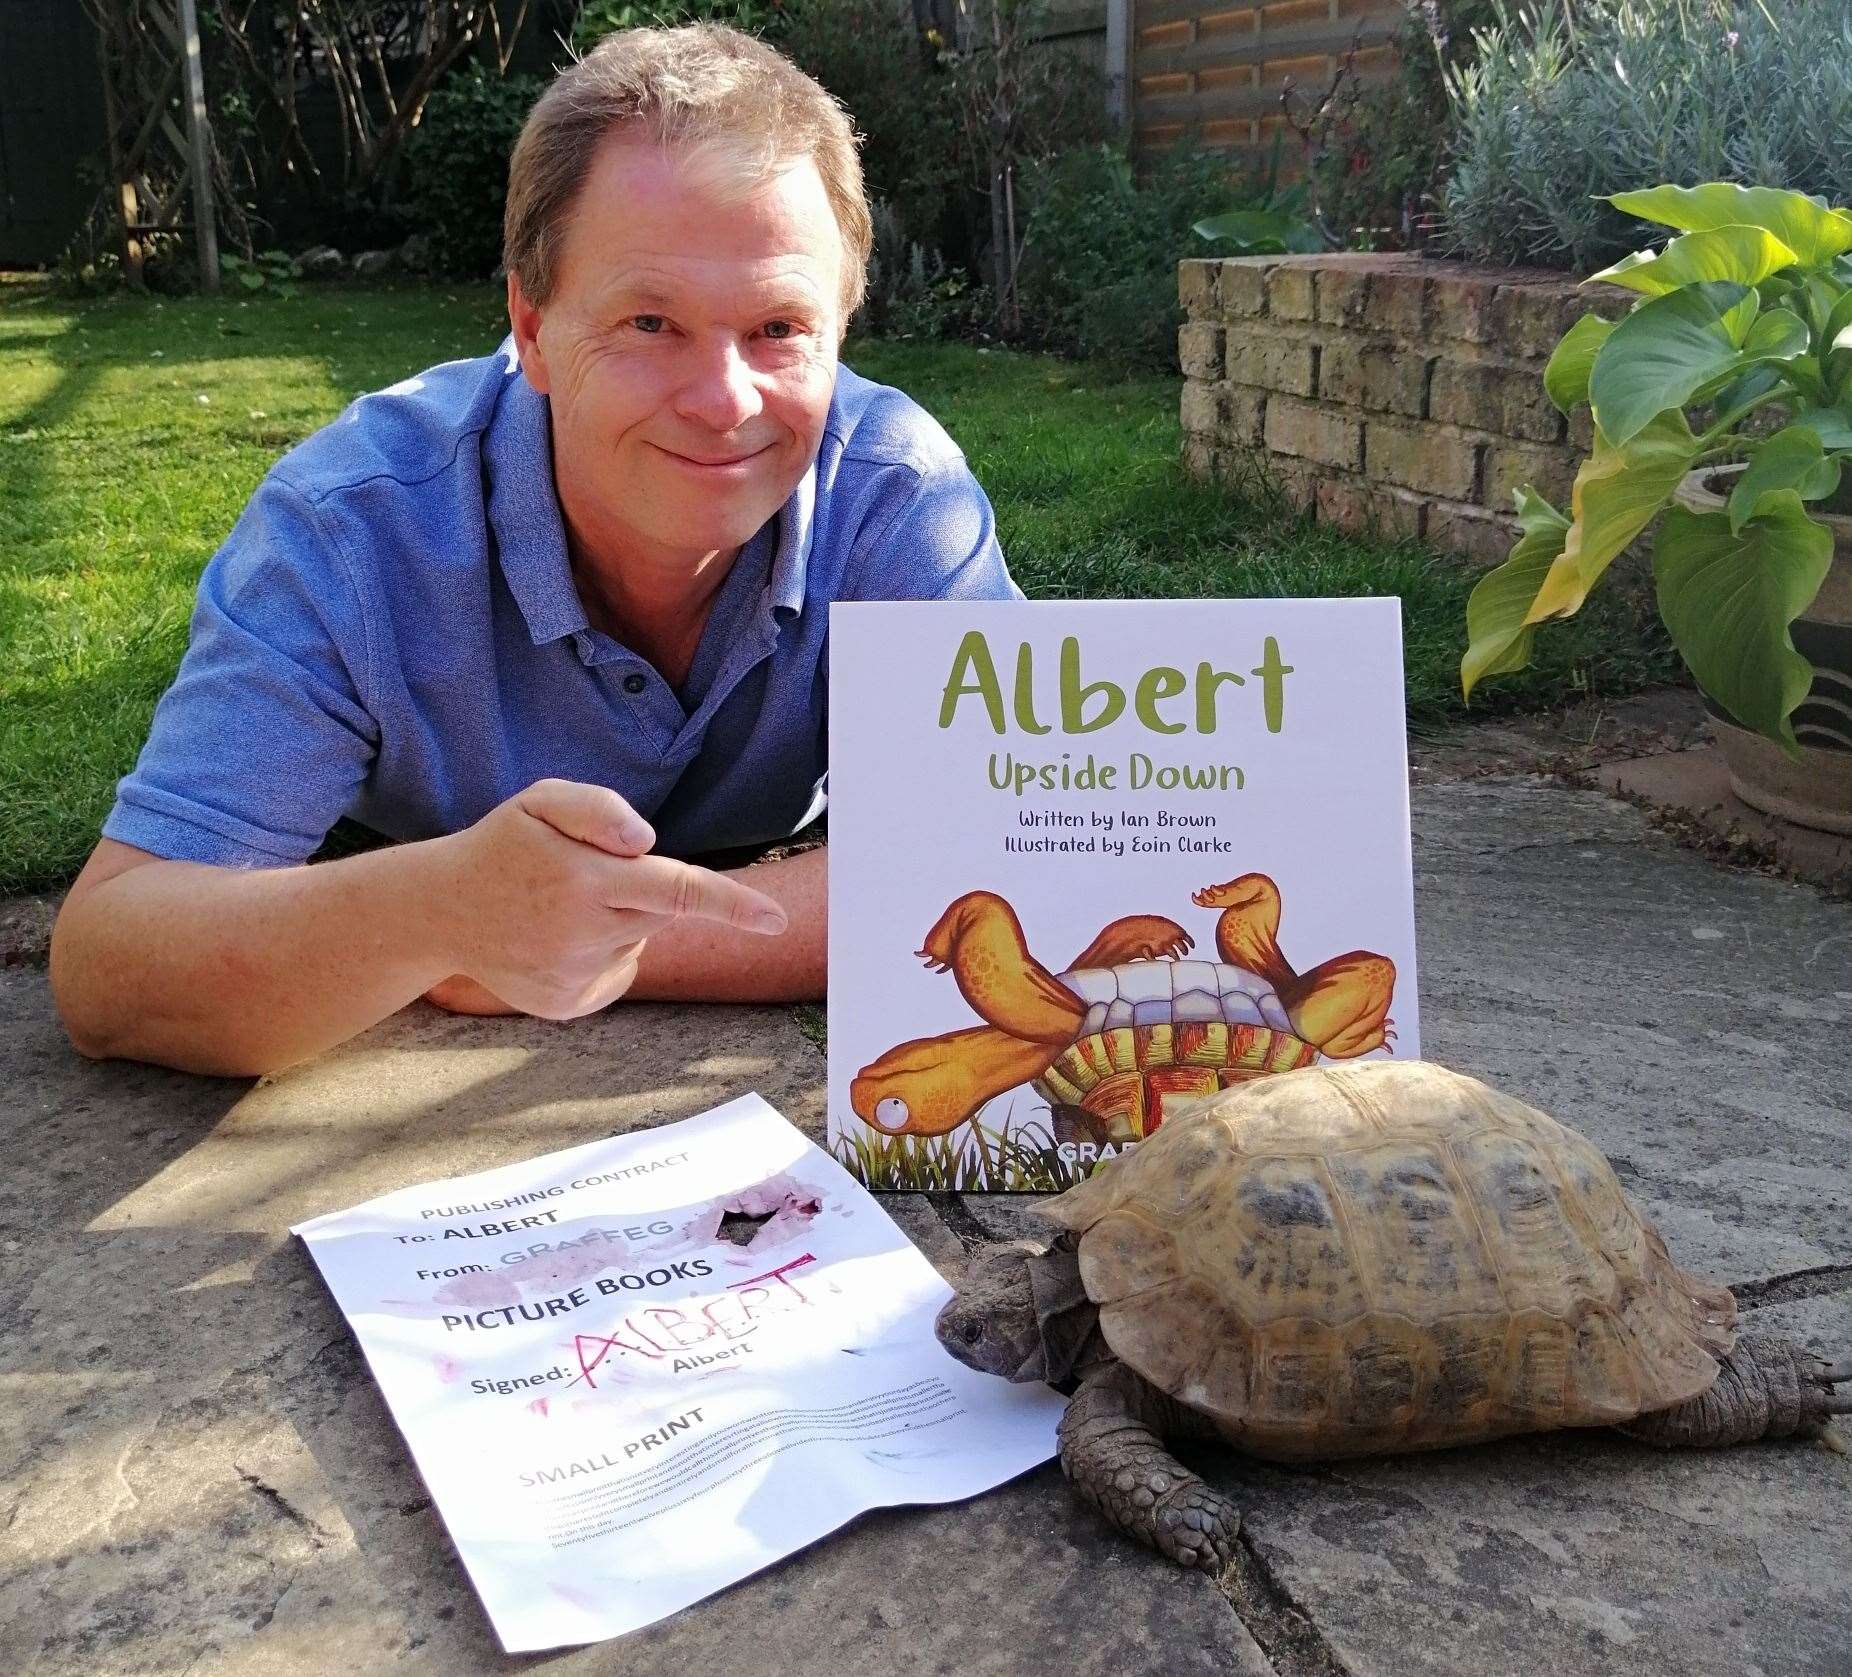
1197 1526
1118 1464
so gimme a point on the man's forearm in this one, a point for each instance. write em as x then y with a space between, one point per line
699 961
242 972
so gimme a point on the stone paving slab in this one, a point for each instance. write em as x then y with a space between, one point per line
200 1476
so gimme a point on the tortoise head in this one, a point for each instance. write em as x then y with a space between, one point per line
1022 1313
915 1089
990 1323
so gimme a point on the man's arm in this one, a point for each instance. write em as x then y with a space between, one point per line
546 901
700 961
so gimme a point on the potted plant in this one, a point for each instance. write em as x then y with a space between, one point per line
1724 400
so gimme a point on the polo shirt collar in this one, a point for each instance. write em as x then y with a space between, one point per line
530 533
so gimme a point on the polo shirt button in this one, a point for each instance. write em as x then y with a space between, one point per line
634 682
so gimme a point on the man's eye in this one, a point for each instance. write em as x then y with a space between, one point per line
780 329
647 322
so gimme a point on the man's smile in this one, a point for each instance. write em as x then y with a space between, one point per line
722 464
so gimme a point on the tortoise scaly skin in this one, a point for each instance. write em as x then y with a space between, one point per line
1352 1260
1131 1025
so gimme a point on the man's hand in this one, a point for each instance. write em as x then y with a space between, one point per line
553 895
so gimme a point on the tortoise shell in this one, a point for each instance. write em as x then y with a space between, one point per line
1160 1031
1386 1256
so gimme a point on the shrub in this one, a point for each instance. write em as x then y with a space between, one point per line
1566 104
1099 268
458 167
912 293
1378 185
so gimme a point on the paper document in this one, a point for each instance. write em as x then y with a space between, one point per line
636 1371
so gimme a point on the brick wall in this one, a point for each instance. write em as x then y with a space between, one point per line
1385 393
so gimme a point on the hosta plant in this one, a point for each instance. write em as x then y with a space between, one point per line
1746 313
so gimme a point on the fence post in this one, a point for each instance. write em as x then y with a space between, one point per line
200 146
1119 64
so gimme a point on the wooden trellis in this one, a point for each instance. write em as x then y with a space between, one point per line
161 156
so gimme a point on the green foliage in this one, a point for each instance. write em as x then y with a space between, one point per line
458 167
912 293
888 76
599 18
1750 306
117 483
972 1159
1099 271
1377 187
269 273
1566 104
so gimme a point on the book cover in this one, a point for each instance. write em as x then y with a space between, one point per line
1092 859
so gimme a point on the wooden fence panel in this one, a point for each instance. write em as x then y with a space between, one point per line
1212 73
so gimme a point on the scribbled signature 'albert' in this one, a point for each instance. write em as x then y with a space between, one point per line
666 1332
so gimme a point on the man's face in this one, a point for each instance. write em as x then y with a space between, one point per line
688 351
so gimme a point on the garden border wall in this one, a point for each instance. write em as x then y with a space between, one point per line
1391 394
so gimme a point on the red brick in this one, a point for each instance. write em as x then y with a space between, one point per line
1383 377
1484 536
1424 457
1310 432
1296 481
1509 466
1366 509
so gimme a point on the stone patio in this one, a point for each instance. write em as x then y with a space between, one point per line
200 1476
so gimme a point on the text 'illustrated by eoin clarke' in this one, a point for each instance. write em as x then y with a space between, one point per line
1092 859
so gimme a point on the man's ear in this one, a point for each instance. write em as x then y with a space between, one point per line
524 318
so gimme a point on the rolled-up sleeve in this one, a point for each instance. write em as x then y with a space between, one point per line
262 741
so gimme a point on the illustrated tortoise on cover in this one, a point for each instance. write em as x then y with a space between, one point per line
1130 1024
1346 1261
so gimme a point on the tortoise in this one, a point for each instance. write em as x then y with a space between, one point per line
1130 1024
1350 1260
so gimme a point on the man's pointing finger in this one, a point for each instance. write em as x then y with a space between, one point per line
660 885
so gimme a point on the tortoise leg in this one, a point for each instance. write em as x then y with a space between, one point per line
1768 1387
1341 1007
1115 1461
979 939
1136 937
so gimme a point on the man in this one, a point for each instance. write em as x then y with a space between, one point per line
553 618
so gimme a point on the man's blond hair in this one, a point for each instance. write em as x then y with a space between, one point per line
741 109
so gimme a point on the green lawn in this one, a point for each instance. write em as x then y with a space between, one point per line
132 431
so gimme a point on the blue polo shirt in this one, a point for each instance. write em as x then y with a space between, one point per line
391 633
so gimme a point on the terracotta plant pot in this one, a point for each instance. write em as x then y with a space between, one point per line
1817 790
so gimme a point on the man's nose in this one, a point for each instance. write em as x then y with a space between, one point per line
721 391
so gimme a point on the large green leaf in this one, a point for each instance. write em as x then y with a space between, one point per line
1661 353
1747 255
1262 231
1565 376
1779 335
1815 233
1497 633
1728 599
1791 459
1833 426
1617 493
